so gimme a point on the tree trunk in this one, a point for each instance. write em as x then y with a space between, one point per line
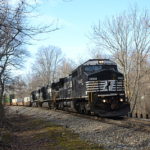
2 112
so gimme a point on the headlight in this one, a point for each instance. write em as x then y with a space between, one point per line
104 100
121 99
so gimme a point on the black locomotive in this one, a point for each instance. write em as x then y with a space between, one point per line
94 87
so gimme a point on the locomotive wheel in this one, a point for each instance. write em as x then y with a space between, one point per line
36 104
92 113
87 109
49 105
30 105
82 109
40 104
54 106
61 106
87 112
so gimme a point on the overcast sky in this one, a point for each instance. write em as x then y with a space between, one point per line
75 18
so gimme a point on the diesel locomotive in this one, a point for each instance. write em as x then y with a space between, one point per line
95 87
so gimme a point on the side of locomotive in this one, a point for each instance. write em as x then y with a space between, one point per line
40 96
95 86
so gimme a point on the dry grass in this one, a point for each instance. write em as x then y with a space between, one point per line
33 134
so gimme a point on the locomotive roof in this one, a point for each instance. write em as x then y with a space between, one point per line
99 61
96 62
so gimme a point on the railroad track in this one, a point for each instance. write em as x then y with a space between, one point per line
125 122
134 123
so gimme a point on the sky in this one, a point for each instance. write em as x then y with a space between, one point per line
74 19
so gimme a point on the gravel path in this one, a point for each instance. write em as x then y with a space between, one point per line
109 135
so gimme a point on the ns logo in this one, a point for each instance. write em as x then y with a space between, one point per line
109 85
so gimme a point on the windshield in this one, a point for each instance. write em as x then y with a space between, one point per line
90 69
114 67
96 68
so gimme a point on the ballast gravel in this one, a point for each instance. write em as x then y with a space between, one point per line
107 135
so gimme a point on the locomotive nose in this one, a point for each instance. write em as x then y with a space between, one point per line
114 106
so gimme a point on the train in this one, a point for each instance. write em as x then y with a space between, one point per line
95 87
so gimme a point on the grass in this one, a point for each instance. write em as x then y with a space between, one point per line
34 134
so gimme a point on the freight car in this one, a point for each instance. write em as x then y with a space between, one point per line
14 102
26 101
17 102
95 87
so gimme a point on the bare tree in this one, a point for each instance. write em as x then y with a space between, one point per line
45 71
46 63
17 87
14 34
97 53
127 38
65 68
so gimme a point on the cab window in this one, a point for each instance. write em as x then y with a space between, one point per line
92 68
